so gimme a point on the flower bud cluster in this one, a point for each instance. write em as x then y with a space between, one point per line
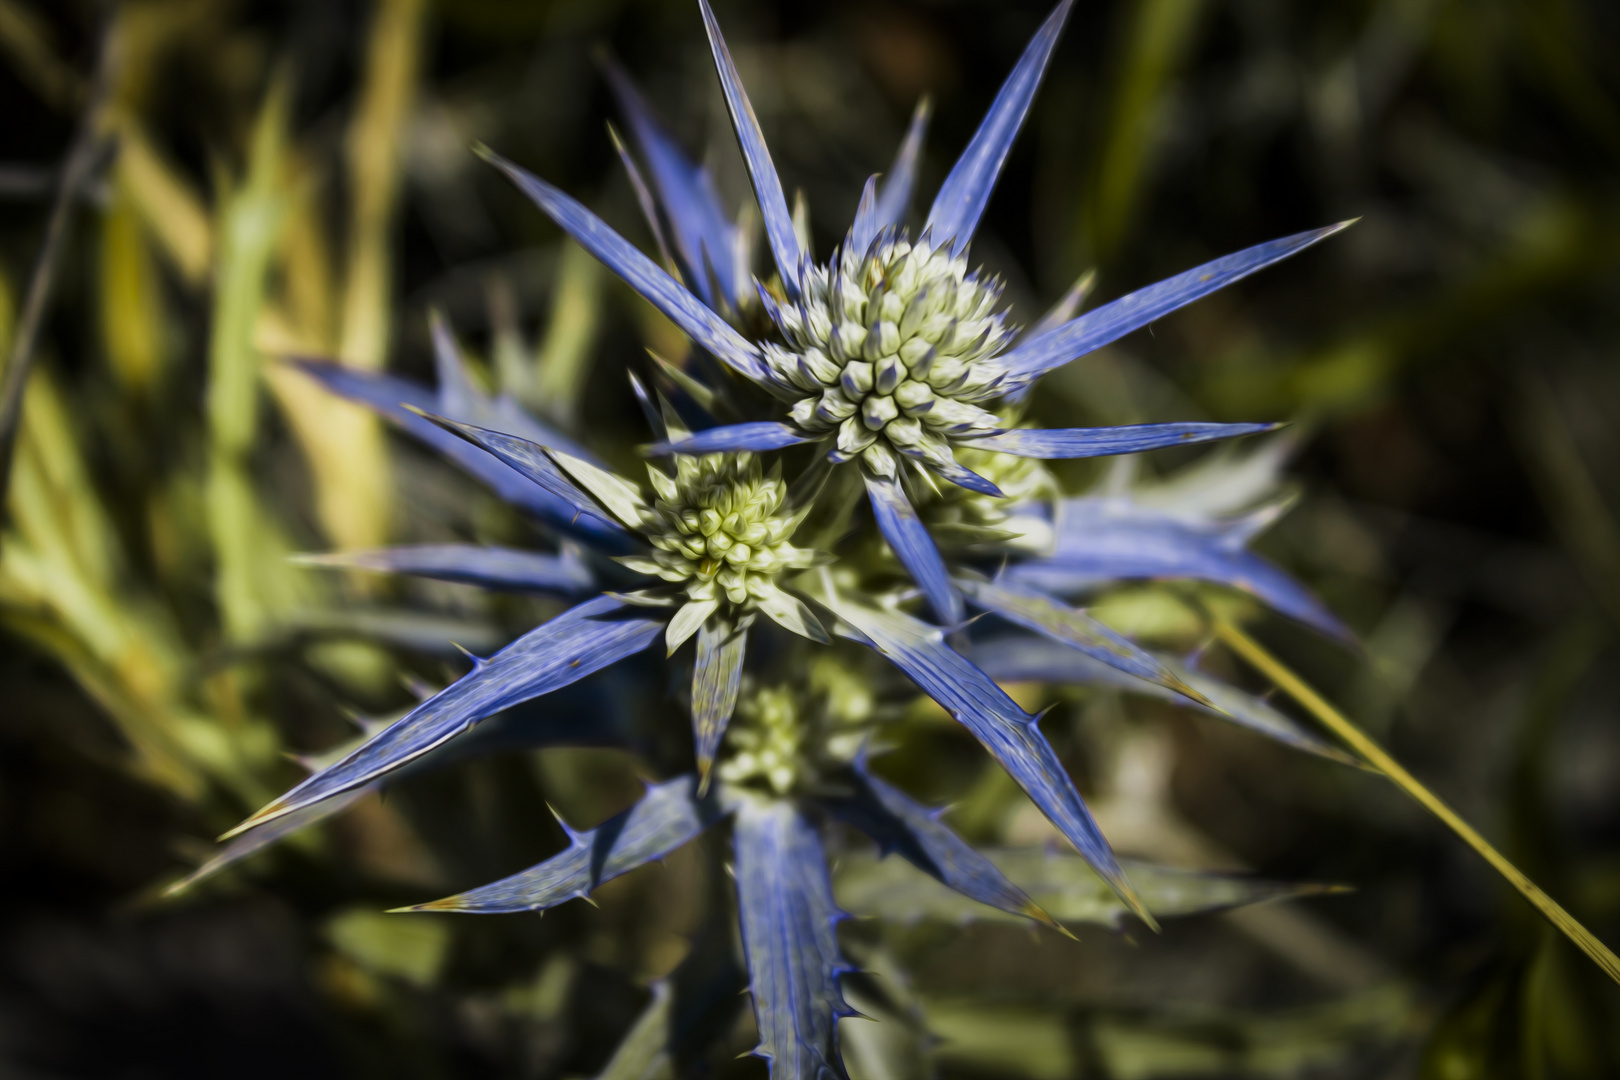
894 349
786 737
718 527
765 741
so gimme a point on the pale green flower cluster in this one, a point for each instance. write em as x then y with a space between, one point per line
765 741
784 737
718 527
894 348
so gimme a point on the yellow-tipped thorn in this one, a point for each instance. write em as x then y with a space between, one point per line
1188 692
1134 902
1039 914
269 813
448 903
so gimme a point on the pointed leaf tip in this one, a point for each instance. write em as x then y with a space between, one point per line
966 191
1112 321
669 815
649 279
582 640
768 191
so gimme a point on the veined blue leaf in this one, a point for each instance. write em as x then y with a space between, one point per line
472 564
668 816
1064 310
1074 628
1027 658
695 216
583 639
900 825
1062 883
1101 442
534 462
716 678
395 398
894 197
1091 331
773 207
865 228
785 905
962 198
639 272
590 713
1019 657
1100 540
1012 735
898 522
758 436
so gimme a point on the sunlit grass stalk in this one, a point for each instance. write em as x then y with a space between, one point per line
1352 736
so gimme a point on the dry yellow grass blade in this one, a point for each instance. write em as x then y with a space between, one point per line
131 301
253 583
341 442
64 586
1353 737
565 353
167 203
375 145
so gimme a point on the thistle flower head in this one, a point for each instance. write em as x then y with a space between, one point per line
893 348
786 737
765 741
719 527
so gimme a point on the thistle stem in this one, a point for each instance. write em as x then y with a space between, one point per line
1274 669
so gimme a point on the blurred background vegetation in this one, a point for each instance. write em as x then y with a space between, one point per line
268 179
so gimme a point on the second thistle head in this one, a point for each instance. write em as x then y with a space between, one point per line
720 528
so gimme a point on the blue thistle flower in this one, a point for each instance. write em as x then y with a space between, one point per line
894 348
892 357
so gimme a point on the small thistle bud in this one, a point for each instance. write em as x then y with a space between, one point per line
904 433
878 411
854 435
913 397
834 407
880 459
857 380
819 365
803 412
720 524
889 372
846 341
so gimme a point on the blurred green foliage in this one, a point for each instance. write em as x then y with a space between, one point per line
295 178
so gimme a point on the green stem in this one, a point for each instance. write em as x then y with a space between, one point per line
1353 737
